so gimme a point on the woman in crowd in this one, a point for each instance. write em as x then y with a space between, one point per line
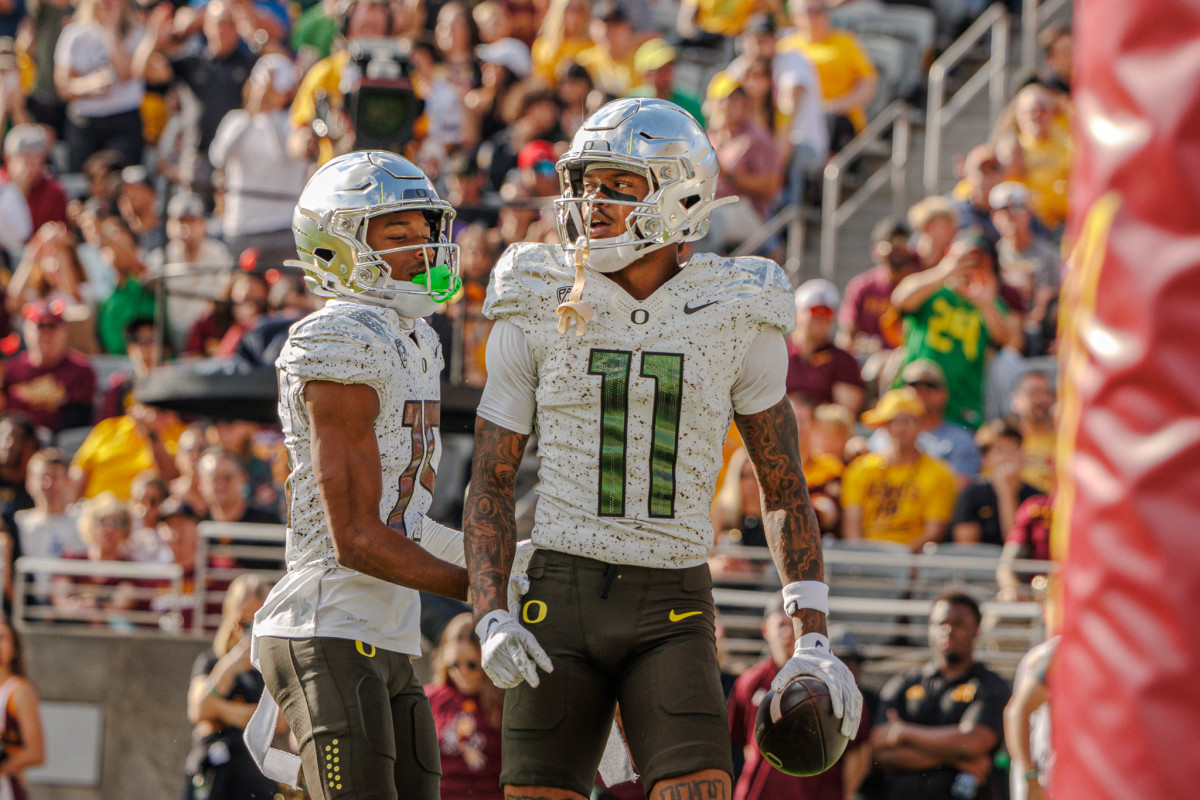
50 270
262 180
222 696
466 709
105 525
93 72
21 722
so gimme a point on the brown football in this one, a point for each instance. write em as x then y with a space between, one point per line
797 731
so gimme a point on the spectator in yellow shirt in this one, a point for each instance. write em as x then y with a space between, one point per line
610 61
563 36
118 449
848 78
904 495
1047 150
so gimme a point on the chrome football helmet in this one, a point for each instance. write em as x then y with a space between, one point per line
663 143
330 225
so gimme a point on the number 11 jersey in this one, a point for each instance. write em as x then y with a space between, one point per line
631 417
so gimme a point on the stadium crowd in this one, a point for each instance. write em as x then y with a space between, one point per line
153 154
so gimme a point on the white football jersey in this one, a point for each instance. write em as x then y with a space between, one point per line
353 343
632 416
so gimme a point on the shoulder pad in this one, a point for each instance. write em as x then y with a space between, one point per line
526 281
339 343
758 286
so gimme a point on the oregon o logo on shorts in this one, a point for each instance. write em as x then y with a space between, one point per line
539 609
362 648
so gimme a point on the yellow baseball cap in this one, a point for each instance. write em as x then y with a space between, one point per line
653 55
894 403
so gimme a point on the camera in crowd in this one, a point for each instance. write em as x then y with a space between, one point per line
381 103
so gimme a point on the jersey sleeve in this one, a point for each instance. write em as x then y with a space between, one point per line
341 348
524 283
761 383
763 288
509 396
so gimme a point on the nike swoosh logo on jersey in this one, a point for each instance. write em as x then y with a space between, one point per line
675 617
693 309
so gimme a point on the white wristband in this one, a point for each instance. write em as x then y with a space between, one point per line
810 641
805 594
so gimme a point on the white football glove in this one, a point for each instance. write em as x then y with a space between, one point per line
511 654
813 657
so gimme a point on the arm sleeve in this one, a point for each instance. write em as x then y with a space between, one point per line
510 394
761 383
228 131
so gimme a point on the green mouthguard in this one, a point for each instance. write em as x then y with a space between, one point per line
443 284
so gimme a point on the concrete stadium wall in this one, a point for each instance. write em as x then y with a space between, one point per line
140 684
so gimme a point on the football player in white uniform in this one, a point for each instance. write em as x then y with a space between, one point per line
632 407
359 391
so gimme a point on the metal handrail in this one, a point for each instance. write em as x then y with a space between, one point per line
790 216
994 72
834 214
1034 14
209 531
27 566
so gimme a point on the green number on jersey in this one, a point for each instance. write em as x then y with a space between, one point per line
666 369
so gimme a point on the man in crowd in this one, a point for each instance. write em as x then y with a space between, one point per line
986 509
981 171
939 726
867 303
215 75
816 366
939 437
953 313
25 151
902 495
1033 414
1028 262
619 592
51 383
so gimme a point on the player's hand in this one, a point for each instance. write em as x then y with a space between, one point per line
511 654
817 660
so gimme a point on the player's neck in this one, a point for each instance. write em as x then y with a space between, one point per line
648 274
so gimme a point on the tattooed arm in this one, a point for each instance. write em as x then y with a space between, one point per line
489 518
788 518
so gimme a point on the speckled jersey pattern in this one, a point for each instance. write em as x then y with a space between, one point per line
631 417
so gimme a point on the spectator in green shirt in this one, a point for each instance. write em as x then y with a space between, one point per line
132 298
654 63
952 314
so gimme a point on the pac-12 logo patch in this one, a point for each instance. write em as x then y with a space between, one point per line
563 293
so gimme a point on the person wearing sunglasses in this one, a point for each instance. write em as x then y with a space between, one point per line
467 709
816 366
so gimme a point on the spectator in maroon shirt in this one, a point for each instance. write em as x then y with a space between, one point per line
868 296
25 150
1028 538
51 383
817 368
